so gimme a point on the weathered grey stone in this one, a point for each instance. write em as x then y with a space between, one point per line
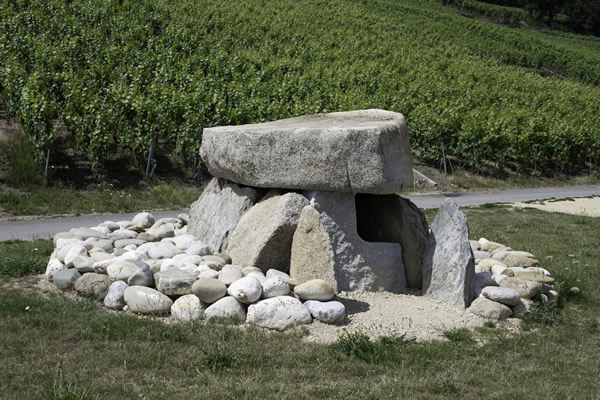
392 218
527 289
522 307
209 290
214 216
115 298
187 308
199 248
449 265
85 233
163 231
184 217
275 286
103 244
74 251
93 285
119 244
364 151
143 219
113 226
188 258
259 276
263 236
182 241
142 277
520 259
121 270
535 276
174 282
329 312
481 254
54 265
274 272
62 235
507 296
487 308
247 270
148 237
327 246
246 290
65 279
225 311
278 313
145 300
122 234
230 274
224 256
161 251
483 279
315 289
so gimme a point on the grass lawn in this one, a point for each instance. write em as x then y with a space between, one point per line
62 349
34 201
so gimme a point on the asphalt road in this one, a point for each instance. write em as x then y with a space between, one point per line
45 228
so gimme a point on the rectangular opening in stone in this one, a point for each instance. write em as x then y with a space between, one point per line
375 219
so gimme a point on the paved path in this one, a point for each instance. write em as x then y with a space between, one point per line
45 228
503 196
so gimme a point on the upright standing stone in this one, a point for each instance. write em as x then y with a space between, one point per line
214 216
327 246
364 151
263 237
449 264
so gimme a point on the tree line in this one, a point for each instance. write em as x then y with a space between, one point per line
583 15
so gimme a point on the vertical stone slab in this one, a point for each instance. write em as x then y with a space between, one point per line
449 264
327 246
263 236
214 216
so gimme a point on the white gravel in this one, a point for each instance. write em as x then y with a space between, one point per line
386 314
585 206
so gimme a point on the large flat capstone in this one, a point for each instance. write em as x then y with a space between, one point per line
364 151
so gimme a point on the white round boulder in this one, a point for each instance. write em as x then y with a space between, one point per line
145 300
278 313
225 311
246 290
144 219
115 297
54 265
328 312
187 308
209 290
230 273
275 286
315 289
507 296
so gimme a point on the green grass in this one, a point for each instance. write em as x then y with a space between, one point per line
75 350
20 258
57 200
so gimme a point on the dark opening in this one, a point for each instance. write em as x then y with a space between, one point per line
377 217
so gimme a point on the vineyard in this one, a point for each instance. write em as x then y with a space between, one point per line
128 72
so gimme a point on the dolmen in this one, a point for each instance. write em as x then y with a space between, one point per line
316 197
298 211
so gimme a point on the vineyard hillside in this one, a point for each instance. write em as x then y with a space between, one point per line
127 72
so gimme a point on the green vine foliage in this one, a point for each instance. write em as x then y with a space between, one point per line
132 70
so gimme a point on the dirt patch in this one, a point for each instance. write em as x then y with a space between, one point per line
585 206
386 314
